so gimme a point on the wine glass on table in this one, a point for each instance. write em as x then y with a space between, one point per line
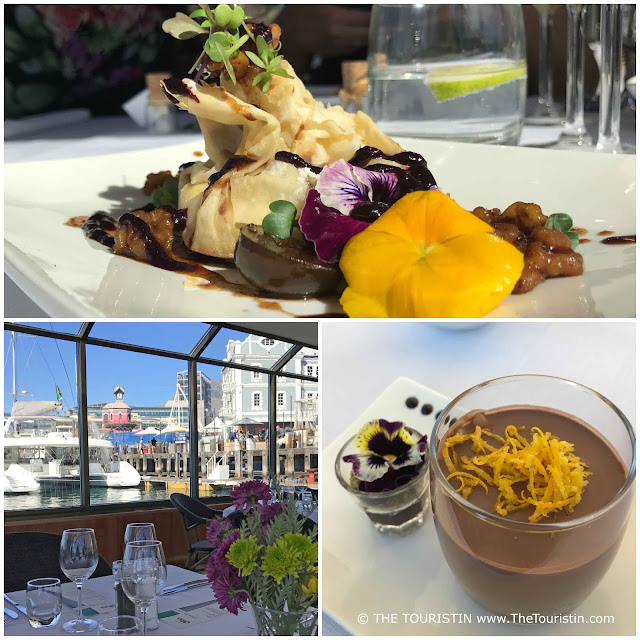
78 560
545 112
574 134
610 79
139 531
144 574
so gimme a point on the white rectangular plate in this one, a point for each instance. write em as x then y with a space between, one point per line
69 276
365 572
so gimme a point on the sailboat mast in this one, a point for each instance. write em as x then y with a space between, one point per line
15 375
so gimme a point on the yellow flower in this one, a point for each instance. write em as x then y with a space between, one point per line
311 588
426 257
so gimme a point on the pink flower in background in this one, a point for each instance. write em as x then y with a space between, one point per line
249 493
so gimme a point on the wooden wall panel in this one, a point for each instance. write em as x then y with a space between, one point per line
110 530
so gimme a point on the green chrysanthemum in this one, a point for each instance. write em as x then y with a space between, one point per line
280 561
300 546
243 553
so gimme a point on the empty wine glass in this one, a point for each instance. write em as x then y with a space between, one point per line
545 112
610 79
44 602
138 532
78 560
144 574
574 134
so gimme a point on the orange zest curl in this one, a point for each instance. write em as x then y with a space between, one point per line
550 475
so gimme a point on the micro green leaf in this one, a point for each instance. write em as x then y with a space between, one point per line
254 58
564 223
182 27
560 222
284 208
205 23
198 13
280 72
166 193
281 219
574 237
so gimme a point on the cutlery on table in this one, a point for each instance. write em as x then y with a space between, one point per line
17 606
11 614
184 584
185 588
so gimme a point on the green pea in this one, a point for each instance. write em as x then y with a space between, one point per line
237 16
223 14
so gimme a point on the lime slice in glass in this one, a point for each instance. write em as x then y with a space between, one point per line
457 80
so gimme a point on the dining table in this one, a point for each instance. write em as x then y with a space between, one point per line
193 612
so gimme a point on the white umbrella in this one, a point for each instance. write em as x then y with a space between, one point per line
174 428
149 431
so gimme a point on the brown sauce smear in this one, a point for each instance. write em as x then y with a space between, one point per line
580 231
606 233
198 154
76 222
631 239
583 240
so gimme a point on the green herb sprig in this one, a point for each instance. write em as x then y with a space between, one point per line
224 41
269 60
563 222
281 219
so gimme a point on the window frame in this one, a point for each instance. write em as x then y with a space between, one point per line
192 360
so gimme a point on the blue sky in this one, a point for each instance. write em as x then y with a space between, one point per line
148 380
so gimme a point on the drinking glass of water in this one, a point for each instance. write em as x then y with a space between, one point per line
78 560
144 574
44 602
454 71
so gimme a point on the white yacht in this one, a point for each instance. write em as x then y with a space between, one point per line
54 459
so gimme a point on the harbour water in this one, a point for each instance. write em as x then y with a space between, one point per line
59 497
447 100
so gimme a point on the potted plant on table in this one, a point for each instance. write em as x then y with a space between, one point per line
268 560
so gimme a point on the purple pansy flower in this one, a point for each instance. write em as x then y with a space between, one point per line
268 512
346 200
388 455
343 186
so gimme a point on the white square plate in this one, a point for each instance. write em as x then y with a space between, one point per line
69 276
367 572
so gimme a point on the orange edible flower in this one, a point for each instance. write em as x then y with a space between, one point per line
427 257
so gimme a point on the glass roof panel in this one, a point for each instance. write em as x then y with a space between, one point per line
62 327
246 348
180 337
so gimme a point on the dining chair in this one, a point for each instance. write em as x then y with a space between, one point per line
194 513
35 554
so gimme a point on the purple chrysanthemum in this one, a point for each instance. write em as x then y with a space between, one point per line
249 493
218 530
268 512
218 563
226 588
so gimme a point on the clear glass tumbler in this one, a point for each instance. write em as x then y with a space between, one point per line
397 512
44 602
120 626
511 565
454 71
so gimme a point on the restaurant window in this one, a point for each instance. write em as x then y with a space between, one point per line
297 426
141 450
41 442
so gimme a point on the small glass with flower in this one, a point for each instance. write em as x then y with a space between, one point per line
385 467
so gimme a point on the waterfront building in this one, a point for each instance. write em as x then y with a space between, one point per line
245 393
117 415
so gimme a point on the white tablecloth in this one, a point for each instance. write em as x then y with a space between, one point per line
359 360
227 625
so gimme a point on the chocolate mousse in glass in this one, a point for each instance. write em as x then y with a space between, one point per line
505 562
397 511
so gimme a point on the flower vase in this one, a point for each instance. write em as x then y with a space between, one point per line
271 622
